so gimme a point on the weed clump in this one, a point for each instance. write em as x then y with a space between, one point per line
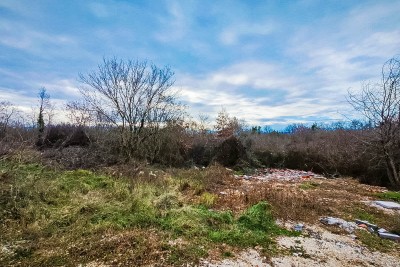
258 217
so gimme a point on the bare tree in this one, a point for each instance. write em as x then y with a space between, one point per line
135 97
7 110
380 104
80 114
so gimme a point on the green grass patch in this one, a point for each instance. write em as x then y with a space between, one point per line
364 215
255 226
374 242
390 195
308 185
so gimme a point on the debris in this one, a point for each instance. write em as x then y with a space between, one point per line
389 236
280 174
388 204
298 227
372 228
366 224
345 225
354 237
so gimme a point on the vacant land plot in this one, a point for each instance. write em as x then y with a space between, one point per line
161 217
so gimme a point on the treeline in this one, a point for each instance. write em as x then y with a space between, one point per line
333 150
129 116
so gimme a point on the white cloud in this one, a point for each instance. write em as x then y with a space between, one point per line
65 87
279 96
28 104
174 25
20 36
340 54
256 74
232 34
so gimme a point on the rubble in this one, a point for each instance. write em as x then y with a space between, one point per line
350 227
382 233
279 174
298 227
380 207
345 225
389 236
388 204
362 223
320 248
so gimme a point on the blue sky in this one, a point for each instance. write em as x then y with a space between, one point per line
267 62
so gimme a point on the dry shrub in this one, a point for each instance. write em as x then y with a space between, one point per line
24 154
230 152
287 200
76 157
64 135
204 179
294 204
168 147
332 152
201 153
128 170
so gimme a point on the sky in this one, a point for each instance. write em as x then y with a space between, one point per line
267 62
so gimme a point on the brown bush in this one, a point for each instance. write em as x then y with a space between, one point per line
63 136
330 152
230 152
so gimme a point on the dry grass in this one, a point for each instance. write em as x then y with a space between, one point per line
287 200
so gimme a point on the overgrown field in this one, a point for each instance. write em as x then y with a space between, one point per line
55 217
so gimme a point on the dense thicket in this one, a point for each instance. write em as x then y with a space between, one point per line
130 116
